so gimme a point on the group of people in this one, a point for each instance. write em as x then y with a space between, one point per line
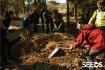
92 35
48 25
33 18
51 21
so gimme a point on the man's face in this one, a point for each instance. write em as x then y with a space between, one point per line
100 6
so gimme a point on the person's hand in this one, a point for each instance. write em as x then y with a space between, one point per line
87 47
71 48
68 43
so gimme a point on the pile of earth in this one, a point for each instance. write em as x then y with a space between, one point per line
31 53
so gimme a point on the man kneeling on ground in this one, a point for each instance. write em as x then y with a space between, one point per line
91 37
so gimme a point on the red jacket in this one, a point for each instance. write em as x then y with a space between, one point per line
94 37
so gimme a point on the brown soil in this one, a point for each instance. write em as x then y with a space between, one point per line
31 53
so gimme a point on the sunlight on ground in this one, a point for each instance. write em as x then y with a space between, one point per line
14 27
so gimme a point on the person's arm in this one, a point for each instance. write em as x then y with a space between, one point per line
89 26
93 18
80 39
62 21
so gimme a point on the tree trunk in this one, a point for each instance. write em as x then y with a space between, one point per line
75 12
17 9
24 6
3 6
68 12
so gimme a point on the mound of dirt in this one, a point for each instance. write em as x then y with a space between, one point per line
32 53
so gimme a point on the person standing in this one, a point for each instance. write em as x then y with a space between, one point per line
4 43
58 20
98 18
35 17
26 24
92 38
48 21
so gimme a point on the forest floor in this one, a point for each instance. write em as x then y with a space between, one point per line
31 53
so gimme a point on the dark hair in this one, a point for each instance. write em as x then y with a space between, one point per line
8 13
101 2
11 12
55 11
83 20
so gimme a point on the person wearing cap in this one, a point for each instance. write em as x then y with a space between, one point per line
98 18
